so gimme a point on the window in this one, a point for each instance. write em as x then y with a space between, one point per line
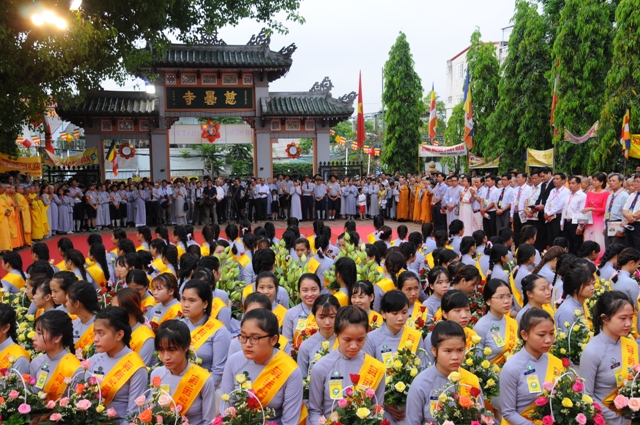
450 100
461 70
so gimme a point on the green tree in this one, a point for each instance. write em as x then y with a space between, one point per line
241 159
306 144
485 77
621 86
454 135
213 156
402 98
582 52
521 118
102 40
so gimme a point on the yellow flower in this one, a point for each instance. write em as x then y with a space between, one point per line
241 378
225 397
387 379
476 339
31 334
577 313
417 361
567 402
400 386
30 317
397 364
563 351
317 357
413 372
490 383
567 324
442 398
363 412
246 386
495 368
485 364
487 351
576 328
325 345
408 345
12 359
469 362
562 335
454 376
100 408
587 399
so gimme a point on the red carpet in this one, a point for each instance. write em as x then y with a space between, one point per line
80 241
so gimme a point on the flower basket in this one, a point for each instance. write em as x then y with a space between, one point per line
627 402
358 406
400 374
160 408
571 344
244 406
17 402
478 364
459 403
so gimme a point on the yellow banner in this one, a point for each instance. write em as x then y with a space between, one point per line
537 158
634 152
88 157
31 165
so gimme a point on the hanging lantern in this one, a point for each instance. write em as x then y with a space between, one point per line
126 151
210 131
69 138
293 150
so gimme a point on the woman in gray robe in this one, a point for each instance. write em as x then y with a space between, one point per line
140 196
130 197
179 199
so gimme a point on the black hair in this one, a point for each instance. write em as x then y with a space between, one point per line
371 251
405 276
378 222
588 247
244 227
528 284
491 288
531 318
40 267
384 233
77 259
466 244
318 225
454 266
466 272
361 286
427 231
454 299
303 241
163 232
497 251
393 300
416 239
289 239
14 259
347 269
505 234
560 241
203 290
169 282
118 320
528 232
64 244
524 253
350 226
211 262
627 255
145 259
435 272
99 252
94 238
8 317
41 250
394 262
204 274
325 302
66 279
132 259
188 263
138 277
444 256
608 304
613 250
351 315
146 233
267 275
382 248
119 233
408 250
84 293
444 330
126 246
574 280
194 249
173 334
266 321
263 260
321 245
402 231
258 298
249 241
57 323
171 254
442 238
294 228
271 231
310 276
456 226
479 236
130 300
159 245
551 254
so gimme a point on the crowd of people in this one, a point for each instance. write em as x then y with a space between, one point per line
499 260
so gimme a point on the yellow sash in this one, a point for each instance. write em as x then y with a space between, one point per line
313 265
470 333
244 260
282 341
371 238
371 372
170 314
438 316
386 285
159 265
55 386
482 275
375 318
516 293
139 337
510 339
554 369
180 250
430 260
312 243
39 312
410 335
204 332
216 306
86 339
280 311
303 323
141 248
380 269
190 386
343 298
97 275
119 375
467 380
13 350
148 302
14 279
248 290
205 250
61 267
629 353
417 313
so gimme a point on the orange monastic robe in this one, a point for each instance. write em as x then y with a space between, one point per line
403 204
425 216
5 235
8 201
17 241
417 202
25 212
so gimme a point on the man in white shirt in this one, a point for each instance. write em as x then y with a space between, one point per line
488 207
554 206
613 213
307 199
503 213
631 214
481 191
521 193
220 202
574 206
262 191
452 200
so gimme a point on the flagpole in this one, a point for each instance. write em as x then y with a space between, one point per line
369 164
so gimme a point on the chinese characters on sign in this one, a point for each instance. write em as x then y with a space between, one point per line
209 98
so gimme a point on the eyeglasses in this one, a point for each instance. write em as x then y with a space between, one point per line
253 339
503 297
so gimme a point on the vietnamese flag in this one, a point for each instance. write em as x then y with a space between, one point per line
360 136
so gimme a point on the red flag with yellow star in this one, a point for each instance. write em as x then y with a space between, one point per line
360 136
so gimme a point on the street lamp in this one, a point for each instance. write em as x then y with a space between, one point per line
50 18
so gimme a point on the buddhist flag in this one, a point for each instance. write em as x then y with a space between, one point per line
360 136
554 103
76 133
433 118
354 146
625 135
468 113
112 156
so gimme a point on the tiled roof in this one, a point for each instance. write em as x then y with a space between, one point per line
305 106
230 57
113 103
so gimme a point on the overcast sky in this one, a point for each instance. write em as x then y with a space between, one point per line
342 37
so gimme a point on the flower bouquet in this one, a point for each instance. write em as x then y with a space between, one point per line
600 287
564 402
477 306
478 364
106 294
20 303
245 407
571 344
357 407
229 282
16 401
159 408
627 402
424 326
400 374
459 403
303 335
81 405
324 350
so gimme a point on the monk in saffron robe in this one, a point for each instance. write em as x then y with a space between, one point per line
17 241
425 217
5 212
402 213
25 213
417 201
37 221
